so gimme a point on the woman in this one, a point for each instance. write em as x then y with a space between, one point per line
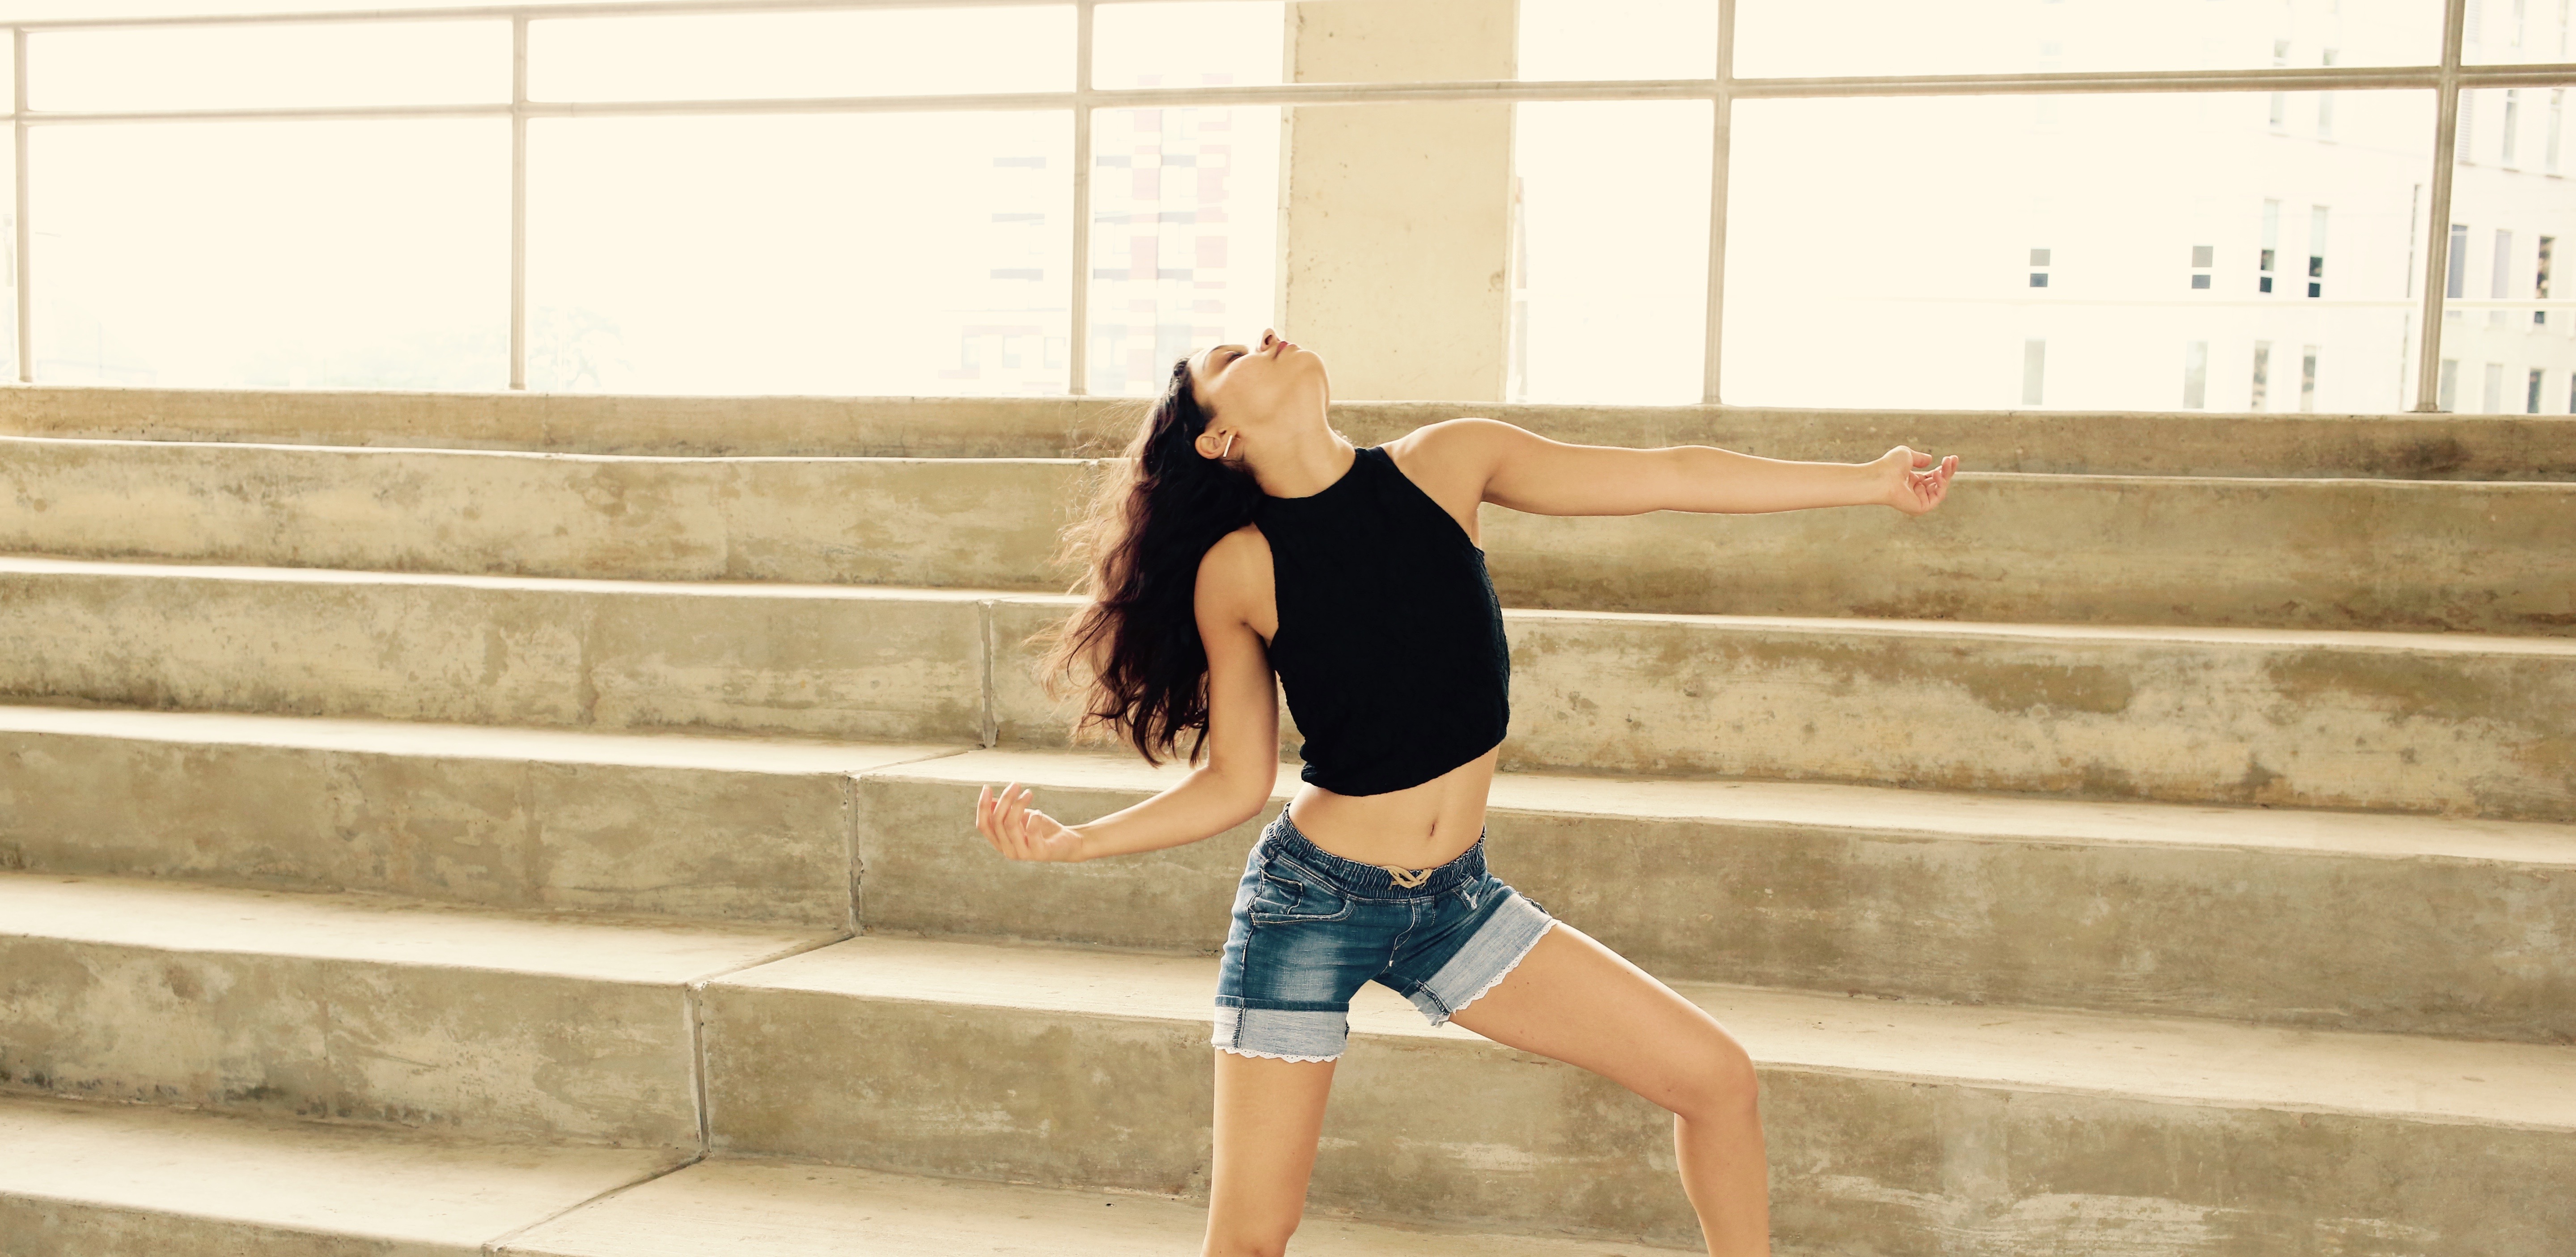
1252 539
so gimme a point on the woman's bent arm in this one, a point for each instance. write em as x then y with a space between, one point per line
1204 805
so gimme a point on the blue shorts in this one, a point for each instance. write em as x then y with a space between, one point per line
1311 926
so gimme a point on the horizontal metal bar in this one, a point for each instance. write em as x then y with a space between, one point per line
487 12
1354 93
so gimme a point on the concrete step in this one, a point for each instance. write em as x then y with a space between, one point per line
836 661
986 523
1892 1128
2295 553
360 1007
2204 911
85 1179
2238 913
756 831
99 1180
2402 446
764 1207
2427 722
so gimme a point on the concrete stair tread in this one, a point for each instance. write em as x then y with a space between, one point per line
180 1172
2339 639
326 449
43 565
384 929
423 1191
774 1208
2167 1059
734 753
1878 808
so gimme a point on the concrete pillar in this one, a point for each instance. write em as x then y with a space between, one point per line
1398 216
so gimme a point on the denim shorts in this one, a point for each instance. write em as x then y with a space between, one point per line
1310 927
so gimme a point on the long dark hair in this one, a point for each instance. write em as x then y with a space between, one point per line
1139 544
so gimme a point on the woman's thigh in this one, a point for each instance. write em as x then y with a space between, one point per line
1269 1114
1576 1001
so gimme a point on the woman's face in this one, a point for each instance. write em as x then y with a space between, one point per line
1243 385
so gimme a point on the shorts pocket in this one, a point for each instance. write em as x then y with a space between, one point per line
1287 895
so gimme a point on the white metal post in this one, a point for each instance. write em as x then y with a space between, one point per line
1720 139
23 240
519 201
2437 232
1078 353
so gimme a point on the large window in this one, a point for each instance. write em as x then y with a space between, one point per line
1869 203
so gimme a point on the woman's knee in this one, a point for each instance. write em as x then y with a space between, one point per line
1256 1241
1718 1082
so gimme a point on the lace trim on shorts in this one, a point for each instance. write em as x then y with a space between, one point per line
1506 969
1276 1056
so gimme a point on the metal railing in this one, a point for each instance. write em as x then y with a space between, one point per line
2447 80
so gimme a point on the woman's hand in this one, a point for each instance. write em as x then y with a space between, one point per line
1913 483
1023 833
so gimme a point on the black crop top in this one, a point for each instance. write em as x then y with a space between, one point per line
1390 641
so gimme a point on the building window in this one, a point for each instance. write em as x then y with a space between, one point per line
2540 282
2557 112
2280 100
2531 397
2447 391
2039 268
2466 141
2195 375
2262 374
2034 370
2271 245
2325 105
2316 250
2456 283
2308 378
2512 120
2500 276
2494 391
2200 263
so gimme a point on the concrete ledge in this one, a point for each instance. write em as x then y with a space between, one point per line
798 660
2404 446
984 523
84 1179
2241 913
350 1007
693 828
1893 1128
2302 553
2461 724
770 1208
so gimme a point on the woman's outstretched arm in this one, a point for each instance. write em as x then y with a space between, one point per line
1529 472
1242 768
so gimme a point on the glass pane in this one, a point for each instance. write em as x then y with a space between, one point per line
2515 32
868 52
2507 326
1184 237
844 254
1198 42
1610 251
332 254
2129 252
259 66
1797 38
102 10
1618 39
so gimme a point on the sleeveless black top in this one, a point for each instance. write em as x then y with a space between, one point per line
1390 641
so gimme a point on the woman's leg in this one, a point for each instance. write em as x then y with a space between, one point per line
1268 1116
1579 1002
